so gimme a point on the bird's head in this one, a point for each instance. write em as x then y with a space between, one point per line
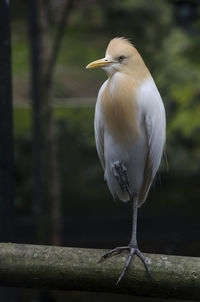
121 56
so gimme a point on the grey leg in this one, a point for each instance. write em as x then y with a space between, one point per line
132 247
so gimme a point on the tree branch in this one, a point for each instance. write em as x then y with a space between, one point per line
51 267
60 30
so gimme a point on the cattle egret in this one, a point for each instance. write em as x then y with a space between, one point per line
130 130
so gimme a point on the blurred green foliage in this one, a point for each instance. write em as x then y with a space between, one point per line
170 48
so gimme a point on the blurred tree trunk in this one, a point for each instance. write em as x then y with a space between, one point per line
45 126
38 194
52 176
6 138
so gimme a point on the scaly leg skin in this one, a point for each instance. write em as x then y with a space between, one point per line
120 172
132 251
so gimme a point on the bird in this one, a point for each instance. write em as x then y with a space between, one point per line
130 132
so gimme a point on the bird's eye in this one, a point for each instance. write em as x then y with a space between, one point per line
121 58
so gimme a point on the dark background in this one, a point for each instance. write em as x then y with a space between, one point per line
79 211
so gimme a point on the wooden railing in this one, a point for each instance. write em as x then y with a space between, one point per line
50 267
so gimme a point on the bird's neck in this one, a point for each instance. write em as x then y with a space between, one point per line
119 107
136 70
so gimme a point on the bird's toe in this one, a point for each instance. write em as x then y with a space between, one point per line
116 250
143 259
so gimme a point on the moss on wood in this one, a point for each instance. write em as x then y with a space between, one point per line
23 265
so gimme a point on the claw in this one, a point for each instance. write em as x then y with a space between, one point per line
117 250
120 172
132 252
139 254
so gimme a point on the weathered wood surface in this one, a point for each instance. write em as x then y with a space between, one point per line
23 265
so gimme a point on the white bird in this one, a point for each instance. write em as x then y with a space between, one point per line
130 130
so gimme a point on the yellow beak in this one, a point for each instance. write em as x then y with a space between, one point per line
99 63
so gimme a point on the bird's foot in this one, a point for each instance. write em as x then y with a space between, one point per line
120 172
132 251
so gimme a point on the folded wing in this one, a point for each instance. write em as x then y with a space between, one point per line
153 114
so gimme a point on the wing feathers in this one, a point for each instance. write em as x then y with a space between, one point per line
99 137
155 124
